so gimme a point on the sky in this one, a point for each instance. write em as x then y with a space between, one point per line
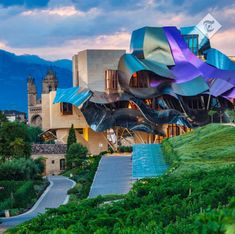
56 29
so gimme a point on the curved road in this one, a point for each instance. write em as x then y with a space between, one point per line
54 196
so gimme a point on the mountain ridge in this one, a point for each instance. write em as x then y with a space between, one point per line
14 70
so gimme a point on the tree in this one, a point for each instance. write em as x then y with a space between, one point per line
72 137
19 148
76 155
34 133
14 141
3 118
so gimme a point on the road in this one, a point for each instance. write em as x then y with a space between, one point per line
113 176
54 196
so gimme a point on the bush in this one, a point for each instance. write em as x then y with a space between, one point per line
123 149
19 169
24 194
76 155
14 141
20 195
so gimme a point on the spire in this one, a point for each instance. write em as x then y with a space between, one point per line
50 82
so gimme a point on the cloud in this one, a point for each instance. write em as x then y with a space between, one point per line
53 26
25 3
119 40
224 41
61 11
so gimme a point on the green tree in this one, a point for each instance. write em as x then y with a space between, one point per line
19 148
72 137
19 169
14 140
34 135
76 155
3 118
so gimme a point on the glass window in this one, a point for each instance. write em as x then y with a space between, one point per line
62 164
66 108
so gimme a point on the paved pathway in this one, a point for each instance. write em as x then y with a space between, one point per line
113 176
53 197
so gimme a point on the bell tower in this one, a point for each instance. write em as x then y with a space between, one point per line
50 82
32 92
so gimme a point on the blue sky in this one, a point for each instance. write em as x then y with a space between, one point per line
55 29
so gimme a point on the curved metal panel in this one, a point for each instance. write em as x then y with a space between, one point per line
218 87
190 88
218 59
74 95
151 43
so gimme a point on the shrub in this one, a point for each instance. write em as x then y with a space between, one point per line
24 194
123 149
76 155
18 169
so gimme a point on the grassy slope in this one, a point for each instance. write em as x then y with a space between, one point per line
169 204
207 147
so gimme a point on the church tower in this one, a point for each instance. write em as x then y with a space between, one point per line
32 92
50 82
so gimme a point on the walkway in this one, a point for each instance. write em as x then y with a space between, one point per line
54 196
148 161
113 176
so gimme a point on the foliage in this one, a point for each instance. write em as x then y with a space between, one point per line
20 195
123 149
83 176
71 137
34 135
217 221
19 169
3 118
168 204
76 155
14 141
40 164
231 115
186 199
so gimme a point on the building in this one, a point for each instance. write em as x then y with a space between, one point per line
50 83
13 115
89 68
171 82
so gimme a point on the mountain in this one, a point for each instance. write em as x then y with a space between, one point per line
14 70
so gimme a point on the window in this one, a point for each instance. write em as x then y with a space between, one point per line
111 80
173 130
80 130
66 108
192 42
52 161
49 88
62 164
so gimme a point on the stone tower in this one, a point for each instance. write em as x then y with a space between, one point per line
50 82
32 92
34 104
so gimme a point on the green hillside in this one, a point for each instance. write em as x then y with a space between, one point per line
207 147
192 197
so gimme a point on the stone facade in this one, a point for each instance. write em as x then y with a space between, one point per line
53 155
50 83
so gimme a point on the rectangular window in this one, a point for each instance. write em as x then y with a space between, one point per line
80 130
192 42
66 108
